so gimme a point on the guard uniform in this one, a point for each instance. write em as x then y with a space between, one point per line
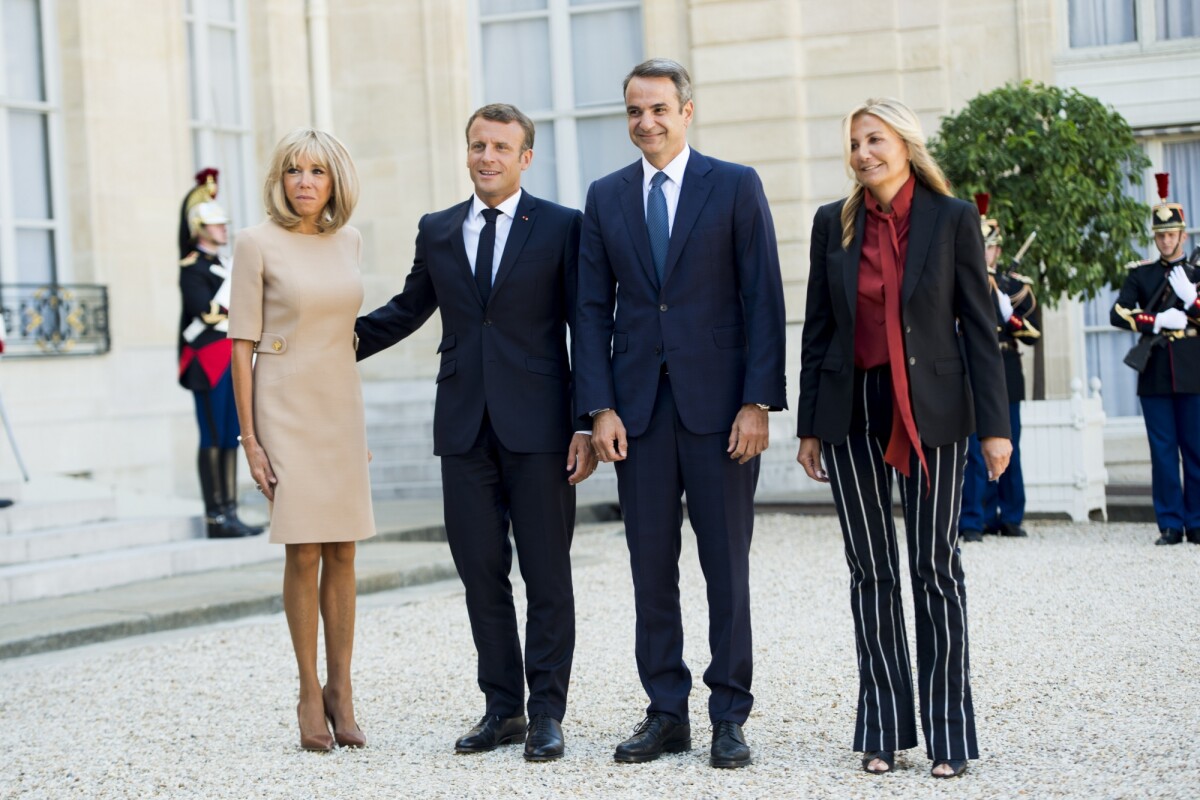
205 354
999 506
1169 385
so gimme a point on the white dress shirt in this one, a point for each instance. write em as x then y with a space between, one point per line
473 226
671 186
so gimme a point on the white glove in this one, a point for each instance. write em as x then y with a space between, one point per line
1006 309
1184 289
1173 319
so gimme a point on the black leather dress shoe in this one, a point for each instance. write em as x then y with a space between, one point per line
544 739
971 536
729 748
1193 535
491 732
1010 529
654 735
1170 536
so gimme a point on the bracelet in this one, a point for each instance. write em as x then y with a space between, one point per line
247 436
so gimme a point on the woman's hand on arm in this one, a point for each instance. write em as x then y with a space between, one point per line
243 394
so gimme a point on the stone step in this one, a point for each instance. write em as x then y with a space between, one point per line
405 490
396 429
95 537
405 472
66 576
401 449
30 514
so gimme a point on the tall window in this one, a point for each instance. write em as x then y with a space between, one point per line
1107 346
1099 23
219 113
562 62
32 233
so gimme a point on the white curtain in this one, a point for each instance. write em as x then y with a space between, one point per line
1100 22
1177 19
1182 161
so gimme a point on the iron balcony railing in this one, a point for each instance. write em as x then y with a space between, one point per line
60 319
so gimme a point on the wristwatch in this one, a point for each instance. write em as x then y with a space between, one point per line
763 406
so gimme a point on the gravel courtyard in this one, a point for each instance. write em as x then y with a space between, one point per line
1085 657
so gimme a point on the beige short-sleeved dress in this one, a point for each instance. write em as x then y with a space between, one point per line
297 295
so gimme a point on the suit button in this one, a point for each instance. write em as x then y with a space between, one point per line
912 360
487 323
908 328
658 351
663 307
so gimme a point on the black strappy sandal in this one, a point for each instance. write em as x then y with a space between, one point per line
957 765
886 756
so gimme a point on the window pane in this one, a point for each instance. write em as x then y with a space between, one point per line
1182 161
228 159
222 69
220 10
1099 22
28 160
488 7
23 50
604 146
516 64
589 2
604 45
35 256
193 86
1177 19
541 179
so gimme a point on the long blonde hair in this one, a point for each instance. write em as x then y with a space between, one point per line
321 148
901 119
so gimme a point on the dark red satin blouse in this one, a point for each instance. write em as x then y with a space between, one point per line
870 338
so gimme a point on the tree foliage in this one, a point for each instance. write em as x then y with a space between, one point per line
1057 162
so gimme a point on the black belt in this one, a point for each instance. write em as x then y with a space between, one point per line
1010 347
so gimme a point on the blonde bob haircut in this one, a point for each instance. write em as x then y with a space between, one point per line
319 148
901 119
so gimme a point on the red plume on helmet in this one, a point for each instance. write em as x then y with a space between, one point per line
982 200
1163 179
203 175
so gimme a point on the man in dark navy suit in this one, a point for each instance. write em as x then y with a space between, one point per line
502 269
678 385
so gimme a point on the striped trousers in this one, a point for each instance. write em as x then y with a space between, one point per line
862 490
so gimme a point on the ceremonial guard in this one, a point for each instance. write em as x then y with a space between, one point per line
999 506
1159 301
205 354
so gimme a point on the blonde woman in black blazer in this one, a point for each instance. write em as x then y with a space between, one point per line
899 365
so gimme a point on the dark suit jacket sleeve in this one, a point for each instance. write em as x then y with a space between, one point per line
977 324
594 318
762 294
570 258
818 325
1130 303
405 312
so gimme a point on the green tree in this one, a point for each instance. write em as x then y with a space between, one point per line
1057 162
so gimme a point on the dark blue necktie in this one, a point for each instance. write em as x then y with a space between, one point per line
657 224
485 253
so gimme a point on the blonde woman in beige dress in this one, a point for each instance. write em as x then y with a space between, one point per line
296 292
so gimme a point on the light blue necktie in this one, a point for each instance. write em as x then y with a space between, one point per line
657 224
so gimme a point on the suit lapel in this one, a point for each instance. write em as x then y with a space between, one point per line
850 259
634 210
459 248
922 223
692 196
518 234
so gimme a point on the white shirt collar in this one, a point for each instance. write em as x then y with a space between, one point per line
508 208
674 170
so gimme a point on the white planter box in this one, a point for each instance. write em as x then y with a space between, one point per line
1062 454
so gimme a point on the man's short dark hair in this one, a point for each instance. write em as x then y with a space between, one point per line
663 68
504 113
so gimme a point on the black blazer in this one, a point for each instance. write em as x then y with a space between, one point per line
956 377
510 355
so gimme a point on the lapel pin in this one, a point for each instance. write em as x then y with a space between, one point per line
524 218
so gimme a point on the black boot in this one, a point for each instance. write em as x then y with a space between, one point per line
216 523
229 461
